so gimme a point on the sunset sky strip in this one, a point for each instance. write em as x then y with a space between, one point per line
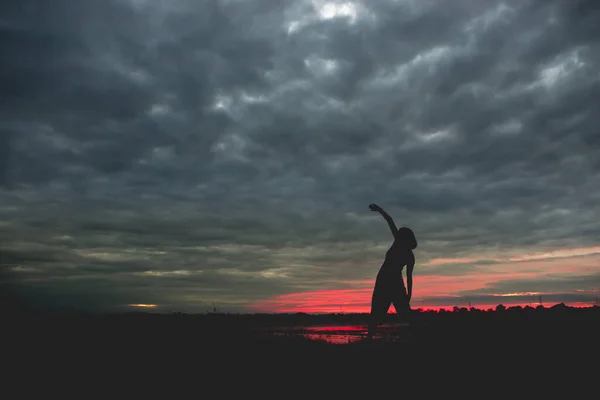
202 155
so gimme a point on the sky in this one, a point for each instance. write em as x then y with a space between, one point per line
194 155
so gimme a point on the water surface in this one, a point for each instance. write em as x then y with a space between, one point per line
342 334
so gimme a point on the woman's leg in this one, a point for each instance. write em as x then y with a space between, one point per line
400 302
380 304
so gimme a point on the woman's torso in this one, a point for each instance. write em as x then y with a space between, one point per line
396 258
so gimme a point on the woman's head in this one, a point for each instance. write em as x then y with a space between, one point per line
407 237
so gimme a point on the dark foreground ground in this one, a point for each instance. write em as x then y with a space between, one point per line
544 347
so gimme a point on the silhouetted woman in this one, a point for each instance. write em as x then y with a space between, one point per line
389 285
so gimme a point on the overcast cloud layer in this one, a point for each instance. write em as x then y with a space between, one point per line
185 153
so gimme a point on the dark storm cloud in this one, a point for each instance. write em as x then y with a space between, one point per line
241 141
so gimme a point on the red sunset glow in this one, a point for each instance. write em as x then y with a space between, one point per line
358 301
428 289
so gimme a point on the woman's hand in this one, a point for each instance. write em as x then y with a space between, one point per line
375 207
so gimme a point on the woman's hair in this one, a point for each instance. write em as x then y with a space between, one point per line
407 236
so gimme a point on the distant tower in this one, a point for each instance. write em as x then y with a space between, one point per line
540 299
469 303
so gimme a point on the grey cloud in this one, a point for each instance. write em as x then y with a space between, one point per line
192 127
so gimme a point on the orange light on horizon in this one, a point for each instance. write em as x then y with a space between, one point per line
516 294
143 305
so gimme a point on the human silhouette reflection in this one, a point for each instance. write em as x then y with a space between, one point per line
389 285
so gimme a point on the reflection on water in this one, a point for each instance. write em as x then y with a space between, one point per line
342 334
